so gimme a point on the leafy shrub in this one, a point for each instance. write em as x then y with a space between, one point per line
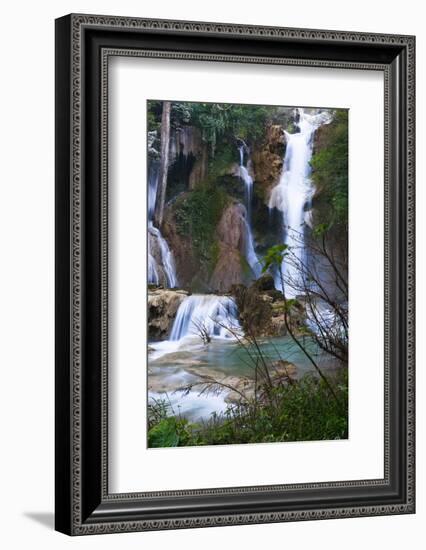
164 434
330 168
197 215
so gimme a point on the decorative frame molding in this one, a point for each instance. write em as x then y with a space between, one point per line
84 44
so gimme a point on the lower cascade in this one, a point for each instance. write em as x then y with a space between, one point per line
212 315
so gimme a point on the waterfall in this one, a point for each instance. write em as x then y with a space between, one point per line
163 261
167 260
248 183
293 195
153 175
213 314
198 316
250 253
153 277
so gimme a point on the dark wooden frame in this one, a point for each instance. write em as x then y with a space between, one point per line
83 46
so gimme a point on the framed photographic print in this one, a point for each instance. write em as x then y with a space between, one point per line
234 274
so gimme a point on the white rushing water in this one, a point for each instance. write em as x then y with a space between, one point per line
293 194
217 315
250 253
198 316
165 262
192 405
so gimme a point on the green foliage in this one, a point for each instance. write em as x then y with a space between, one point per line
154 110
274 256
225 155
301 411
164 434
219 120
181 114
321 229
197 215
291 303
245 266
214 253
330 168
170 431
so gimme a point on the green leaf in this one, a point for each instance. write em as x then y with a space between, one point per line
291 302
274 256
321 229
164 434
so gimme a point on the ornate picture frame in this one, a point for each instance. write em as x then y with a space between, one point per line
84 44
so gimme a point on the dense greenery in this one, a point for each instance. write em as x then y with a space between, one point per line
300 411
197 214
330 168
219 120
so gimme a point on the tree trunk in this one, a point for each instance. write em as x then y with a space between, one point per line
164 165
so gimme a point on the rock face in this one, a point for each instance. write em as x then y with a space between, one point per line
262 308
183 250
231 229
268 158
155 250
321 137
187 141
231 233
162 307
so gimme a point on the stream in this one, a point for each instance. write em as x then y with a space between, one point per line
177 362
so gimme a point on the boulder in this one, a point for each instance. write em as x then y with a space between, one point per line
162 307
265 282
262 309
280 372
283 371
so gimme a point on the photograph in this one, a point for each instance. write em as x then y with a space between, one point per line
234 260
247 273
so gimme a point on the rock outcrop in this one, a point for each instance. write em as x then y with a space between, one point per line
187 141
162 307
231 234
268 158
183 250
280 372
262 308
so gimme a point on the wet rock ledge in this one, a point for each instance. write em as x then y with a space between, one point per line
261 309
162 307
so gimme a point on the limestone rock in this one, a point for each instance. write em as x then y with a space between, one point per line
231 238
262 309
268 158
162 307
183 250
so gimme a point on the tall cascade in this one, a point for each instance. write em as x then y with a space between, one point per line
292 196
216 315
250 253
163 261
